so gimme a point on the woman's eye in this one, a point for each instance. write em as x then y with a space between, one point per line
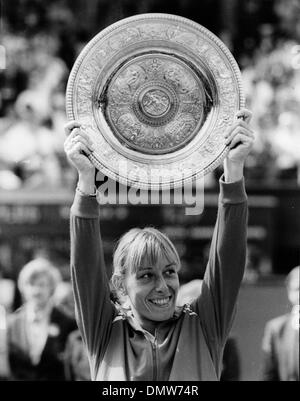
146 275
170 272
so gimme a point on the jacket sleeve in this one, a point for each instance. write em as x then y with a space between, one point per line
216 304
94 310
231 367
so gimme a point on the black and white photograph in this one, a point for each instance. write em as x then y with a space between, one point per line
149 193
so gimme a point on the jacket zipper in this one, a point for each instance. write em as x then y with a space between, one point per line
154 355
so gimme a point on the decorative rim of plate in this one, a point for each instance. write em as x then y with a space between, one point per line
96 159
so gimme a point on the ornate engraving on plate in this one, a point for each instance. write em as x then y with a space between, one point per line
155 104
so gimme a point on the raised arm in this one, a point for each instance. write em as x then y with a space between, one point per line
225 269
94 310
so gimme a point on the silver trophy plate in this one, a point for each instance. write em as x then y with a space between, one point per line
155 92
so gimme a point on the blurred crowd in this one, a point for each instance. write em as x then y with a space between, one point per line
40 49
272 86
33 114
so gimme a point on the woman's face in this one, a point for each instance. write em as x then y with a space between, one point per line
152 292
38 291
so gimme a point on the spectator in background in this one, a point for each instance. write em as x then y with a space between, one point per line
281 338
7 289
37 331
231 367
7 292
28 147
76 359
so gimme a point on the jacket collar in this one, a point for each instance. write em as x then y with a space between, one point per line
126 314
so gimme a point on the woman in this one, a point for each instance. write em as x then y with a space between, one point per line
37 331
147 337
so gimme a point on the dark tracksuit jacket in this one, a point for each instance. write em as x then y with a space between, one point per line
187 347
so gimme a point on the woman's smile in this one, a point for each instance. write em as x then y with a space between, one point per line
161 302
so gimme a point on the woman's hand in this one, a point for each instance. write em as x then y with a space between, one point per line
78 146
239 138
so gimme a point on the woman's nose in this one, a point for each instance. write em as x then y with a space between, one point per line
161 284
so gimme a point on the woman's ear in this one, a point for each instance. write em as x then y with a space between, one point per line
123 290
119 285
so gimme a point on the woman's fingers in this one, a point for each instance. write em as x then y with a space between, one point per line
244 114
70 126
78 137
241 138
78 148
85 140
75 134
239 130
237 124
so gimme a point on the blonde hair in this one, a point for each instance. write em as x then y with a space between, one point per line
39 267
133 247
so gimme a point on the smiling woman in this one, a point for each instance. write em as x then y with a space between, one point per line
152 291
144 336
145 276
